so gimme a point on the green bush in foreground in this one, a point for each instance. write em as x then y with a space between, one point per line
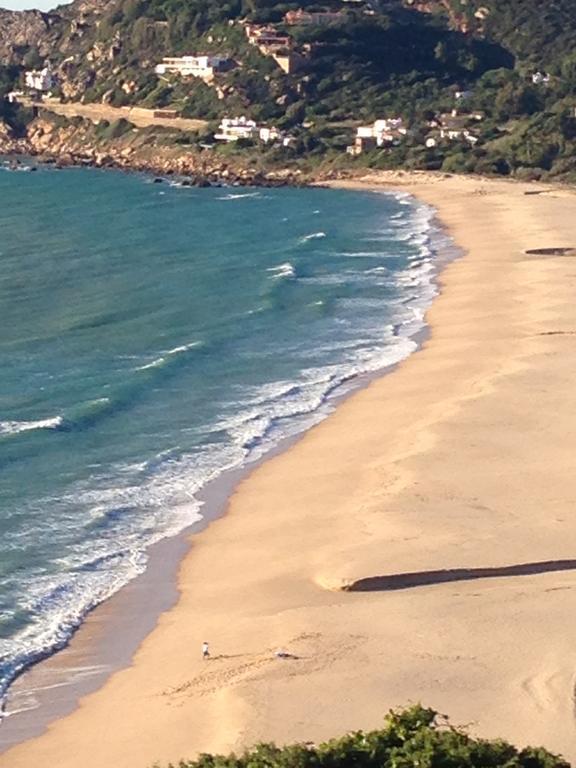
411 738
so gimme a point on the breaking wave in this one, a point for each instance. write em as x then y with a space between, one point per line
373 297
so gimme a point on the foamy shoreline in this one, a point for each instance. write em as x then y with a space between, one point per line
384 486
50 687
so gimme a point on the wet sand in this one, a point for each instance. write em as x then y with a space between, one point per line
418 545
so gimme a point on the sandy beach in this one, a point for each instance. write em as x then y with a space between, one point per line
418 545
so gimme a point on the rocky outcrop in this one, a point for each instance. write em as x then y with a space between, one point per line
22 30
9 144
77 142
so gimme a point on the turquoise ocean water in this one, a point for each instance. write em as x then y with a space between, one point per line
153 336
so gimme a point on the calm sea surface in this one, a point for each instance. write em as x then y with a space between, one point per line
152 336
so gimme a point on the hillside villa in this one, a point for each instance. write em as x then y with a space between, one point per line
385 132
203 66
41 80
455 127
274 43
267 38
540 78
235 128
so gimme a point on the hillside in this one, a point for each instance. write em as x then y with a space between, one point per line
383 58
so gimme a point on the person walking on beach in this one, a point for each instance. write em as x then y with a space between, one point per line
205 650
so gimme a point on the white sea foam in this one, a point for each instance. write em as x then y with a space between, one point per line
366 255
167 355
154 364
312 236
287 408
183 348
374 277
158 497
240 195
15 427
282 270
57 603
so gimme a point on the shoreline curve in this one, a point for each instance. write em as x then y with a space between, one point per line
457 457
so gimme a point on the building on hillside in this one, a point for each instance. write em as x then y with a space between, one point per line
252 31
287 61
203 66
267 37
41 80
269 135
270 43
278 45
317 18
234 128
273 135
386 132
390 125
455 127
361 144
166 114
540 78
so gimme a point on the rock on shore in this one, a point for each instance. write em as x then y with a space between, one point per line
79 142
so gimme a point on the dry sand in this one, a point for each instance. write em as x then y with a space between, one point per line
462 458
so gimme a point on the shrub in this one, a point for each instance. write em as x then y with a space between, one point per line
417 736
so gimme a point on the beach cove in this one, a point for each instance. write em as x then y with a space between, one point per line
421 541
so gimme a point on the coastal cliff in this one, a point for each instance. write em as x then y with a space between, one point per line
53 139
23 29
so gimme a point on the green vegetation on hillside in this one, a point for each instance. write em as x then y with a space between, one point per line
539 34
412 737
13 115
383 59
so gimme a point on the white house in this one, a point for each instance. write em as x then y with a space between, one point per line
454 127
204 66
393 125
268 135
387 131
234 128
540 78
458 134
39 79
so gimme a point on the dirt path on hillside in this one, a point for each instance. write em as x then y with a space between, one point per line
141 117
